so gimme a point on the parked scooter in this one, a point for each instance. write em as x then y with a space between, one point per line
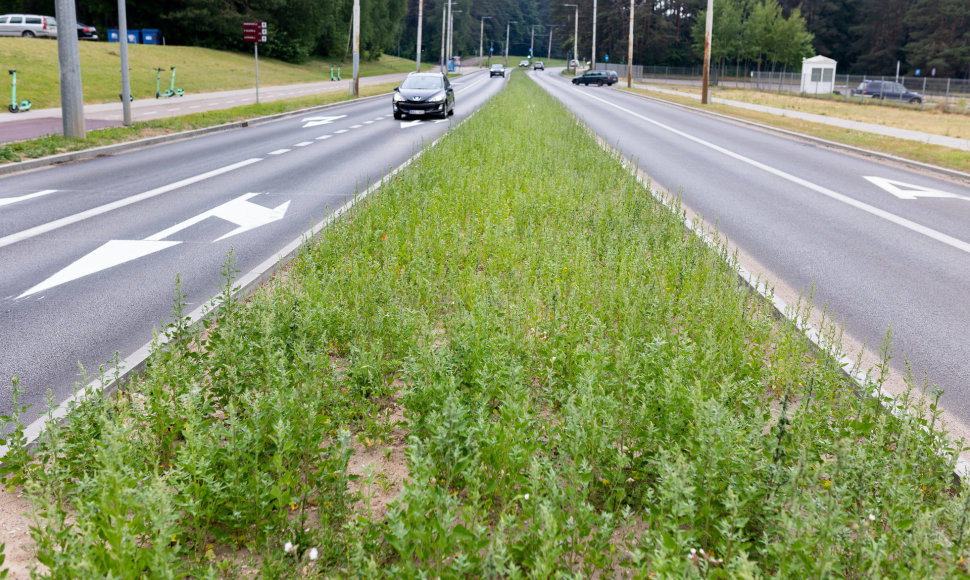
172 91
16 107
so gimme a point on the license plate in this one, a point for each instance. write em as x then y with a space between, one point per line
415 112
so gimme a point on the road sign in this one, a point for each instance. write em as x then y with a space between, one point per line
254 31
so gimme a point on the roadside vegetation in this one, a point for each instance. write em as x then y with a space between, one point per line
511 361
928 119
53 144
197 70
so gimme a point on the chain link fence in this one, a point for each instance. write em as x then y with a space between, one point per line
952 95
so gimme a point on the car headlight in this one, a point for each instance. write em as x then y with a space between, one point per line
398 98
437 98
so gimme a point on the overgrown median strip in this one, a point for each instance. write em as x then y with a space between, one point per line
585 389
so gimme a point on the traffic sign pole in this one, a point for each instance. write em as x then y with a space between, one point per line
255 32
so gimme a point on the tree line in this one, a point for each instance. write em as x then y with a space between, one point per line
865 36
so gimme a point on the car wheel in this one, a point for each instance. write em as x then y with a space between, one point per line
599 83
27 34
916 101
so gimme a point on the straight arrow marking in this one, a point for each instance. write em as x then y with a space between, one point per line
57 224
910 191
240 211
113 253
12 200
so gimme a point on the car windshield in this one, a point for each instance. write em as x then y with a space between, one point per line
496 67
422 82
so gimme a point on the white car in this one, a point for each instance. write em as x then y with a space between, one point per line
28 25
524 63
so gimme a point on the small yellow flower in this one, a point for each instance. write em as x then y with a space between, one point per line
293 506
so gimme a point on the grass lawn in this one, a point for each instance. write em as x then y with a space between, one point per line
196 69
496 366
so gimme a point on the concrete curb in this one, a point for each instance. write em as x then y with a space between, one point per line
817 140
106 150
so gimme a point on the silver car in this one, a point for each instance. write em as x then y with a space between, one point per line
28 25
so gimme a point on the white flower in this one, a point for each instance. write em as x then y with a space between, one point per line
312 554
526 497
288 547
872 518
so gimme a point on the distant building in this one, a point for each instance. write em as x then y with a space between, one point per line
818 75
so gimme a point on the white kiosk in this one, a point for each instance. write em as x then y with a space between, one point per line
818 75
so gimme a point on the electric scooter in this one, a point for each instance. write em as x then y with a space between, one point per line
171 92
158 77
14 107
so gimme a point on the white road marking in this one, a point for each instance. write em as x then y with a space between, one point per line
102 209
240 211
12 200
872 210
324 137
279 152
368 122
339 132
320 120
909 191
356 126
304 144
195 106
406 124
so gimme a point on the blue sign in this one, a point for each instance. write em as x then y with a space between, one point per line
607 57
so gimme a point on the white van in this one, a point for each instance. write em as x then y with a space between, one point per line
28 25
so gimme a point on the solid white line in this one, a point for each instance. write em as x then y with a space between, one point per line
279 152
12 200
880 213
56 224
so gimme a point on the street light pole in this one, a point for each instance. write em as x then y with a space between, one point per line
355 87
508 27
593 64
420 18
444 28
575 34
451 32
481 38
69 63
629 52
532 42
709 25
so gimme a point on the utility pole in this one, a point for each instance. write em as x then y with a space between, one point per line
594 36
508 27
575 34
629 52
420 19
549 54
69 61
481 39
125 81
709 25
532 42
444 28
451 33
355 87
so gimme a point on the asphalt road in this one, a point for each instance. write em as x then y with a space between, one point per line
90 251
883 246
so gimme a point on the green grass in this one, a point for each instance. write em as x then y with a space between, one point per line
53 144
197 70
586 391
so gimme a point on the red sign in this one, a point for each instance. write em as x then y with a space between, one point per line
254 31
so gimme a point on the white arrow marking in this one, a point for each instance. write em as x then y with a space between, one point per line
239 211
12 200
113 253
405 125
909 191
316 121
246 215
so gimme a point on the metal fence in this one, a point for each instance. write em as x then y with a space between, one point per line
946 93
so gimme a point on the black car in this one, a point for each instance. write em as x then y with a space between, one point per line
85 32
596 77
497 70
887 90
424 94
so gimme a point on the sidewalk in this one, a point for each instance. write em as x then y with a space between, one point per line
928 138
41 122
